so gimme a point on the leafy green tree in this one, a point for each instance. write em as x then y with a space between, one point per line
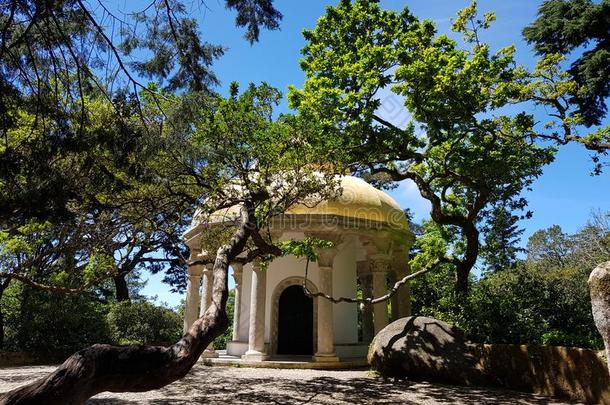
143 322
565 26
29 312
551 246
591 244
502 235
53 55
533 304
543 299
117 231
468 156
574 96
227 153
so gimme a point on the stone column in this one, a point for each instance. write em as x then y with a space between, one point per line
256 334
326 331
192 295
401 270
380 266
394 304
206 300
366 282
404 293
237 276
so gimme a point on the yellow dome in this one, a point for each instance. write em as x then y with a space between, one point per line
358 200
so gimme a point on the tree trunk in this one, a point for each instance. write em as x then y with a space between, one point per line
1 329
3 286
137 368
461 282
122 290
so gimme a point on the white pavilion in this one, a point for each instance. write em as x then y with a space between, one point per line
273 315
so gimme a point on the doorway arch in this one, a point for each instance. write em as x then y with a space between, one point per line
289 298
295 322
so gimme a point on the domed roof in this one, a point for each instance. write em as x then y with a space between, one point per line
358 200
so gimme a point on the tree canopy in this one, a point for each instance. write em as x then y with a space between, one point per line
464 154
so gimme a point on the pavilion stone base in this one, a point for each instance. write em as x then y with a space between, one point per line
342 351
326 358
254 356
237 348
286 362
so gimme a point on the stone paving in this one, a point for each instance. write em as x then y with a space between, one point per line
236 385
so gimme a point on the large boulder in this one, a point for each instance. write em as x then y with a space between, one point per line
599 285
421 348
424 348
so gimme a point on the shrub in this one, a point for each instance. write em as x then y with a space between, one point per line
144 323
528 304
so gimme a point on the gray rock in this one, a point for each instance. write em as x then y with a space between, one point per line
424 348
599 285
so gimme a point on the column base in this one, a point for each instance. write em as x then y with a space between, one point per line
325 358
255 355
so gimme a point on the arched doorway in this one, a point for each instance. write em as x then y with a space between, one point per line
295 322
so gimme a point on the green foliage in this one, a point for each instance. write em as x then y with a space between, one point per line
502 235
306 248
534 305
541 300
468 156
42 322
240 151
86 156
143 322
564 26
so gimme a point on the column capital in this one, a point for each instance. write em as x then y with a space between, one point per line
194 253
195 270
256 265
380 263
326 256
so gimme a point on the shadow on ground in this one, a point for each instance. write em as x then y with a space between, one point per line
254 386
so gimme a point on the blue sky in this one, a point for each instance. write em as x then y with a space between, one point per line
565 194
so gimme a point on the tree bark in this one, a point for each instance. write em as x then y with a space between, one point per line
461 281
122 290
138 368
3 286
1 329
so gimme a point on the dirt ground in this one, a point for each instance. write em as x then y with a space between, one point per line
232 385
